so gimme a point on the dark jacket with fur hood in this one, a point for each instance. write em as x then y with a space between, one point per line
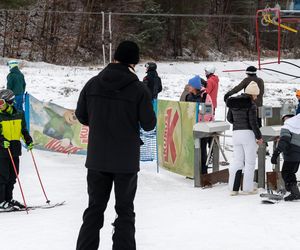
242 114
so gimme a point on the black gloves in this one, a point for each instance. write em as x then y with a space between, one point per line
226 96
274 157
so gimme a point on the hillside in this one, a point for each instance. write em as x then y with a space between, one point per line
73 32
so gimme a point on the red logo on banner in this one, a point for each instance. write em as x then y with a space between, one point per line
84 134
169 145
55 145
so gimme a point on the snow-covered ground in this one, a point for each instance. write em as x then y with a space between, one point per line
171 213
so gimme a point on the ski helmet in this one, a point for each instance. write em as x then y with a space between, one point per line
12 63
210 69
7 95
151 66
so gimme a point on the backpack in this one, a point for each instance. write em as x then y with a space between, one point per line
207 117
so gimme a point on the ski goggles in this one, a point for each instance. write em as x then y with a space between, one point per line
2 102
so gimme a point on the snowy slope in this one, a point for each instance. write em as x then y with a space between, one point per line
171 213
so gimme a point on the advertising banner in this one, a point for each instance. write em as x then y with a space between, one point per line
55 128
175 140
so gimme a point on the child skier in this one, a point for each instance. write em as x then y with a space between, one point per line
12 128
289 145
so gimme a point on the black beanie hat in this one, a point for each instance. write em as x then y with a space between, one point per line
127 52
251 70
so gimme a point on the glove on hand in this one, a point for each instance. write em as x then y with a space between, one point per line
274 157
226 96
30 146
6 144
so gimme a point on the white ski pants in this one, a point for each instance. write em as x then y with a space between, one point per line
244 158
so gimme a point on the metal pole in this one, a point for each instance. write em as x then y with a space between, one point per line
17 176
197 162
110 37
225 130
258 40
279 33
103 43
38 174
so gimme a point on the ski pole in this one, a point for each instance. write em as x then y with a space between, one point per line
16 172
38 174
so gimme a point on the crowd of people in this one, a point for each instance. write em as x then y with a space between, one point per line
115 105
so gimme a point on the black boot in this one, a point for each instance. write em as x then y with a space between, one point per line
295 194
237 183
237 180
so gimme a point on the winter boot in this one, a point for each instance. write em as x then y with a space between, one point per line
237 180
295 194
237 183
6 207
16 204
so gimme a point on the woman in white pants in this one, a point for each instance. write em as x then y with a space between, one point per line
246 133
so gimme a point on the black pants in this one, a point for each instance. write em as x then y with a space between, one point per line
99 188
7 178
206 141
288 172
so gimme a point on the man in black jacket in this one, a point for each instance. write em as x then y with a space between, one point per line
114 104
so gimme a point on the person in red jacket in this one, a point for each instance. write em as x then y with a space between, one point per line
212 83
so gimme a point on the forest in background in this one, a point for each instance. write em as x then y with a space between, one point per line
70 31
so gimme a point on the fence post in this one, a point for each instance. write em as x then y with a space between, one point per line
27 111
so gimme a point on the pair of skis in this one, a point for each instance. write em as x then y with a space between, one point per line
45 206
271 198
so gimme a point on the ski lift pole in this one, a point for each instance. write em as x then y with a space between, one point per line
18 179
39 177
110 36
102 36
225 130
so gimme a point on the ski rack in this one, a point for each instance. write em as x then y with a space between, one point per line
277 20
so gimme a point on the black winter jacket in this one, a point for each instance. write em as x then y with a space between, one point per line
196 98
114 104
153 82
242 114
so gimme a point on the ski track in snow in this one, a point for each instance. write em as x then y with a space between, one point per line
171 213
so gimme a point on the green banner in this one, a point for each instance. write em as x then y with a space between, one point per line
175 140
55 128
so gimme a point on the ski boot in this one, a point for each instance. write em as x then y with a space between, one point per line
294 195
16 204
5 206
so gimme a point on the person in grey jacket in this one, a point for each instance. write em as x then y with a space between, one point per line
289 145
251 76
246 133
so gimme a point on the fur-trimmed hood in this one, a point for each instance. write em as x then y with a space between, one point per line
241 101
